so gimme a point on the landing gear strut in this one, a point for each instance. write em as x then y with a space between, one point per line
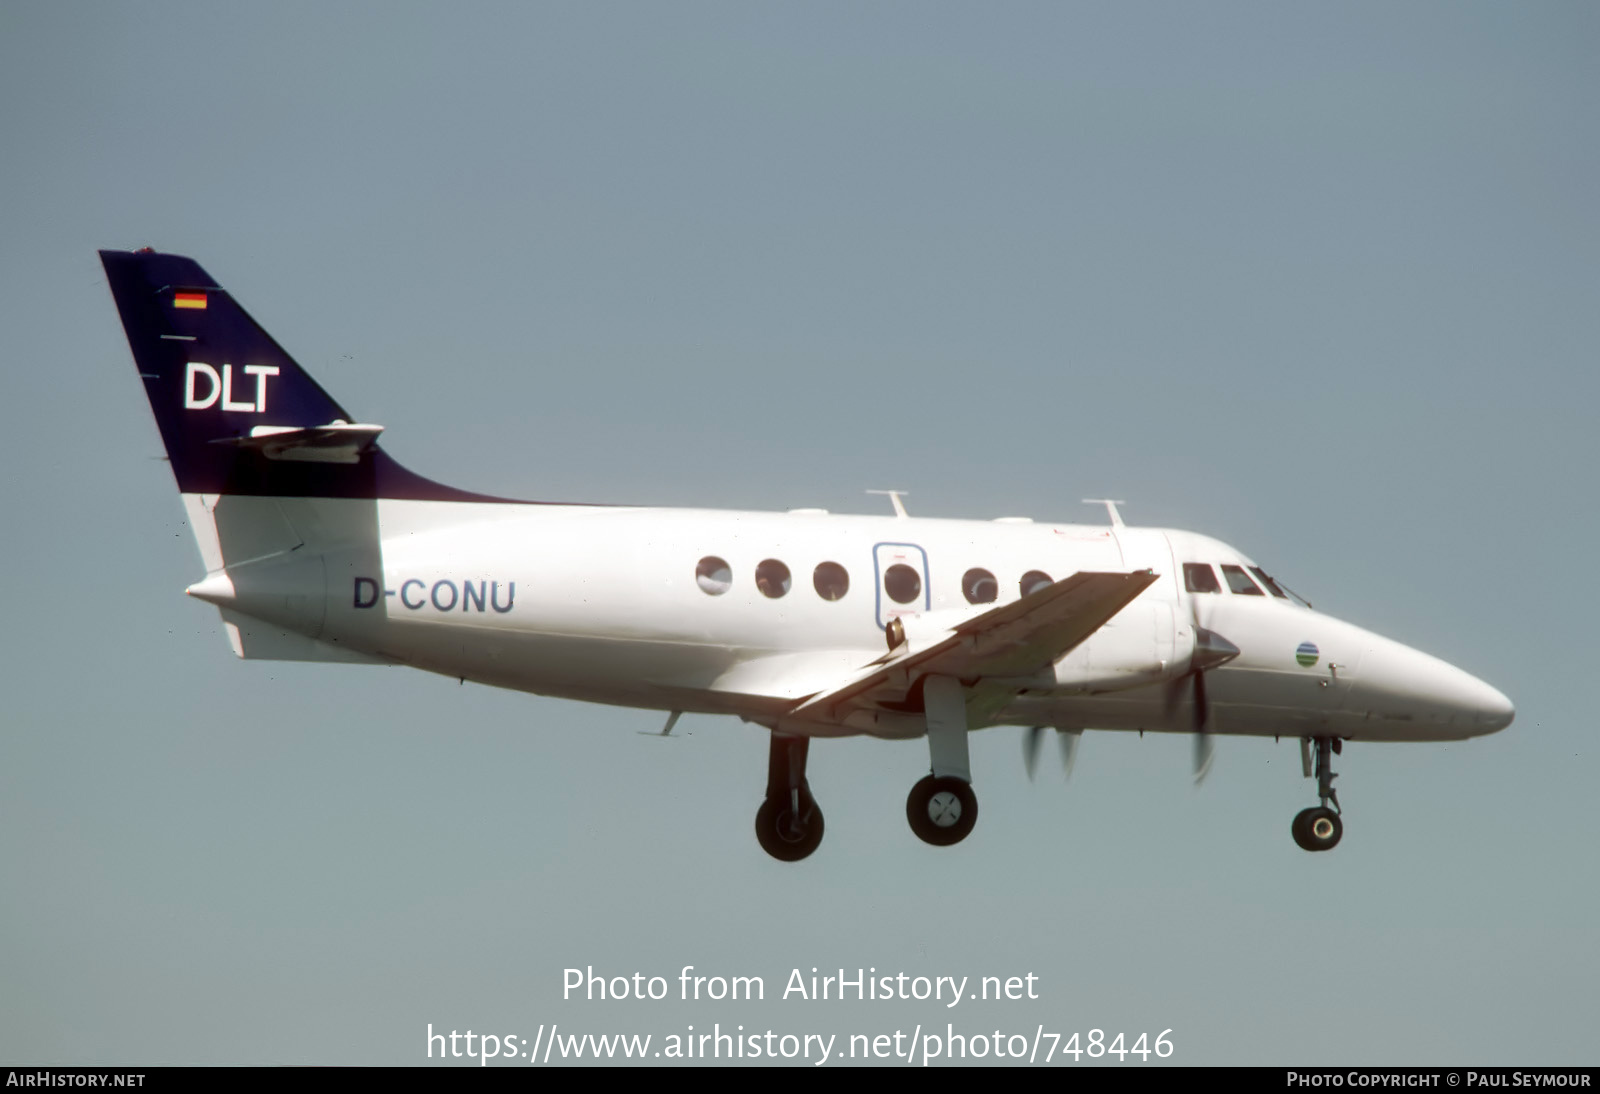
942 808
1319 828
788 824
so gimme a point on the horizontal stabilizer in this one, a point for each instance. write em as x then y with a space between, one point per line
337 442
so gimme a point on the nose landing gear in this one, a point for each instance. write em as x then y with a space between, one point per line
1320 827
1317 828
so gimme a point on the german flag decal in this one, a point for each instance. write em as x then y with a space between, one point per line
195 300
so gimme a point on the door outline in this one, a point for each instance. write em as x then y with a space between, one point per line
879 565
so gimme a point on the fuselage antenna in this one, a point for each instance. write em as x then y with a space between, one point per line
1111 509
894 497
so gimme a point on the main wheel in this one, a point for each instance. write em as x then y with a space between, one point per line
942 811
783 835
1317 829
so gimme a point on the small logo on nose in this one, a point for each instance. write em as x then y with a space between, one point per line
1307 654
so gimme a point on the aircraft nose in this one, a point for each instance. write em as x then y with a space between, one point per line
1397 680
1494 710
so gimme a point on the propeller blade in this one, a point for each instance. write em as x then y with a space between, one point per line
1204 743
1068 739
1030 749
1204 749
1210 650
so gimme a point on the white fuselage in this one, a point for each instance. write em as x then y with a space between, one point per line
604 604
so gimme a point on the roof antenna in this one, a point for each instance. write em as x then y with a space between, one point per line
894 497
1111 508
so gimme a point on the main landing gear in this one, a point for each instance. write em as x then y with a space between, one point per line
942 811
1319 828
788 824
941 808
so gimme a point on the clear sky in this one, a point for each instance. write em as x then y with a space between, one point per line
1318 280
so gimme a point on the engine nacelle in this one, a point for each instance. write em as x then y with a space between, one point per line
1136 648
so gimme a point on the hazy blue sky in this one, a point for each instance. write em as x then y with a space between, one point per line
1319 280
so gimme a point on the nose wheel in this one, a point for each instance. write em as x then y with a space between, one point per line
1317 829
1320 827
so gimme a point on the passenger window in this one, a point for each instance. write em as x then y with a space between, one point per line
713 576
1199 577
772 578
830 580
1033 581
1272 586
979 586
902 583
1239 581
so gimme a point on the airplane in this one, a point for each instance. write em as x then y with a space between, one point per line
318 546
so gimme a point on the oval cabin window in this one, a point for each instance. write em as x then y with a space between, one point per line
830 580
979 586
1033 581
902 583
772 578
713 576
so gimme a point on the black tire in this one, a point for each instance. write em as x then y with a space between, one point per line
942 811
1317 829
1300 829
781 838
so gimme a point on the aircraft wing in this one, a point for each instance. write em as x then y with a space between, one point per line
1015 640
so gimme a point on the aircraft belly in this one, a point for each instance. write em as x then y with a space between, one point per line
1146 710
1256 699
620 671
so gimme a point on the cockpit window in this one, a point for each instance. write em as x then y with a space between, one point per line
1272 586
1239 581
1199 577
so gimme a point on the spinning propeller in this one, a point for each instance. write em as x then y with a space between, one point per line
1210 650
1034 739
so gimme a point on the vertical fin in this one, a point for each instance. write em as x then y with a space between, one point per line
215 378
